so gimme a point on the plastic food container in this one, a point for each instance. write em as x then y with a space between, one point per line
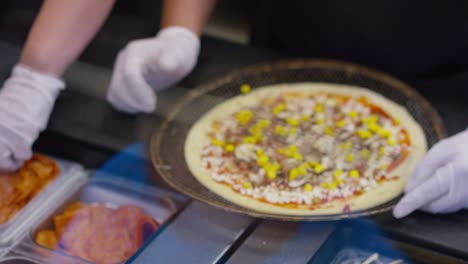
17 260
18 226
357 256
359 240
159 204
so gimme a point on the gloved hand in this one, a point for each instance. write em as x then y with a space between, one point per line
26 101
149 65
440 182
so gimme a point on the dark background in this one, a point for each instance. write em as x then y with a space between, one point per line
130 19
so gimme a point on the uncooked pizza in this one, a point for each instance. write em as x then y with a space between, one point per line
305 149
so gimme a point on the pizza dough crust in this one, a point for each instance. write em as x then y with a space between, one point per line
385 192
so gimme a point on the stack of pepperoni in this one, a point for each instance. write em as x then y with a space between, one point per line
18 188
98 233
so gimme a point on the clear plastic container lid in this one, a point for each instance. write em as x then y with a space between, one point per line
106 190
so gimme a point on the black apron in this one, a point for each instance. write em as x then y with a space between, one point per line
410 39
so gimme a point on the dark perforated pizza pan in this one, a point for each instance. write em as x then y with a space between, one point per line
167 143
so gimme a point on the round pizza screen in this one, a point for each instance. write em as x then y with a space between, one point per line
305 149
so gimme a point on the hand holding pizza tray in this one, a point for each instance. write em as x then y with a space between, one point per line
297 140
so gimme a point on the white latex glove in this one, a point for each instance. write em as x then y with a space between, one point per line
440 182
26 101
149 65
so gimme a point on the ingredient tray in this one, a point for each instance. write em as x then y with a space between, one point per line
14 229
159 204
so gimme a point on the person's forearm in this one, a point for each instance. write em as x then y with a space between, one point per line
190 14
61 31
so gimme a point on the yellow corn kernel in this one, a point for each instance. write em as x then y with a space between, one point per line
292 152
391 142
319 168
381 151
308 187
396 121
350 158
325 185
262 160
271 174
293 131
263 123
337 174
293 174
301 170
280 130
385 133
279 108
374 127
292 121
364 134
297 156
275 166
354 174
247 185
256 133
370 120
229 148
244 116
319 121
259 152
305 118
332 185
353 114
341 123
365 153
268 166
217 142
255 130
313 163
339 181
292 148
329 131
245 88
250 140
260 138
319 108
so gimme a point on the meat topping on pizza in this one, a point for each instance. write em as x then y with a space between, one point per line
299 148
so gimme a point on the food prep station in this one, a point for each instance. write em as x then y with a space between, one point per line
84 132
